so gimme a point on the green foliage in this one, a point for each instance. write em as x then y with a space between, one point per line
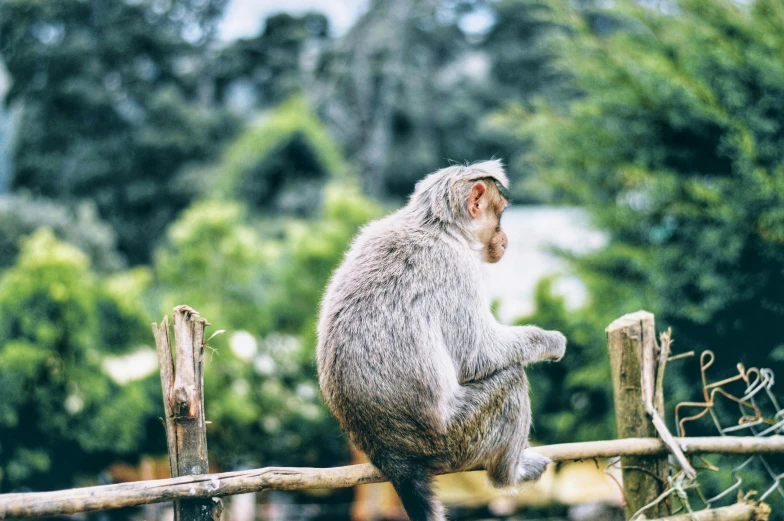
294 421
265 408
311 251
520 45
675 145
63 416
122 305
412 99
269 65
214 262
280 164
21 215
109 108
517 44
422 89
571 400
59 406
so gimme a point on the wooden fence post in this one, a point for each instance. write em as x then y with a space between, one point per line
628 338
182 385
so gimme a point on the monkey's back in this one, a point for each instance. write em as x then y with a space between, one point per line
383 357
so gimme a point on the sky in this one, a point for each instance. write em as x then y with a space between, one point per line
244 17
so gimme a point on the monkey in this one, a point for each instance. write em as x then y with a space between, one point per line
411 361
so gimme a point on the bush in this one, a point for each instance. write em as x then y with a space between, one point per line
20 215
61 414
675 145
279 165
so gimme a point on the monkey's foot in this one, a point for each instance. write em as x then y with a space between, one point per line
532 466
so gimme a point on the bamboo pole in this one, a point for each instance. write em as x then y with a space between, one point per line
742 511
65 502
631 342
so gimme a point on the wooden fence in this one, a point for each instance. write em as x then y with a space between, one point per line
645 446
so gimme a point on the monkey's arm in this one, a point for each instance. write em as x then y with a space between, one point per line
532 344
502 346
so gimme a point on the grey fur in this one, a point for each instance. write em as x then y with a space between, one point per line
411 361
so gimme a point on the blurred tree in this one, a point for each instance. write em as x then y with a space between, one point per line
676 147
309 253
517 44
422 90
6 130
213 261
274 65
413 96
277 167
62 418
113 99
21 215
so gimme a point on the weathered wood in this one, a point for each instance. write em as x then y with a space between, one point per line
163 346
186 410
65 502
743 511
665 345
628 339
185 400
653 396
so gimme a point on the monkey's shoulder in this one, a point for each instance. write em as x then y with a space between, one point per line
390 273
386 250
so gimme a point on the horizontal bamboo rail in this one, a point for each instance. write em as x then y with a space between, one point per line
44 504
742 511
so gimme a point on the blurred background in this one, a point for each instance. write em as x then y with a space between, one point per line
222 153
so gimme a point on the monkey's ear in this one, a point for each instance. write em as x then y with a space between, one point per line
475 200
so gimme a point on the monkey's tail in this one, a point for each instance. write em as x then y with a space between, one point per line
414 484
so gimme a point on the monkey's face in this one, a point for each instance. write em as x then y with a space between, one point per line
485 206
496 248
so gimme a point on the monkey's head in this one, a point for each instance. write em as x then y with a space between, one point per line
485 205
470 198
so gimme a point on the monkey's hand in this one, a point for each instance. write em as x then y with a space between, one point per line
532 466
555 346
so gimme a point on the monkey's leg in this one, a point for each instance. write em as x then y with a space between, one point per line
491 428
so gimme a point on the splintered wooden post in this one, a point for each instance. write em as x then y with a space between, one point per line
183 402
628 338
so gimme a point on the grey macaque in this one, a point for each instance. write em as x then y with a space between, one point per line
412 363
